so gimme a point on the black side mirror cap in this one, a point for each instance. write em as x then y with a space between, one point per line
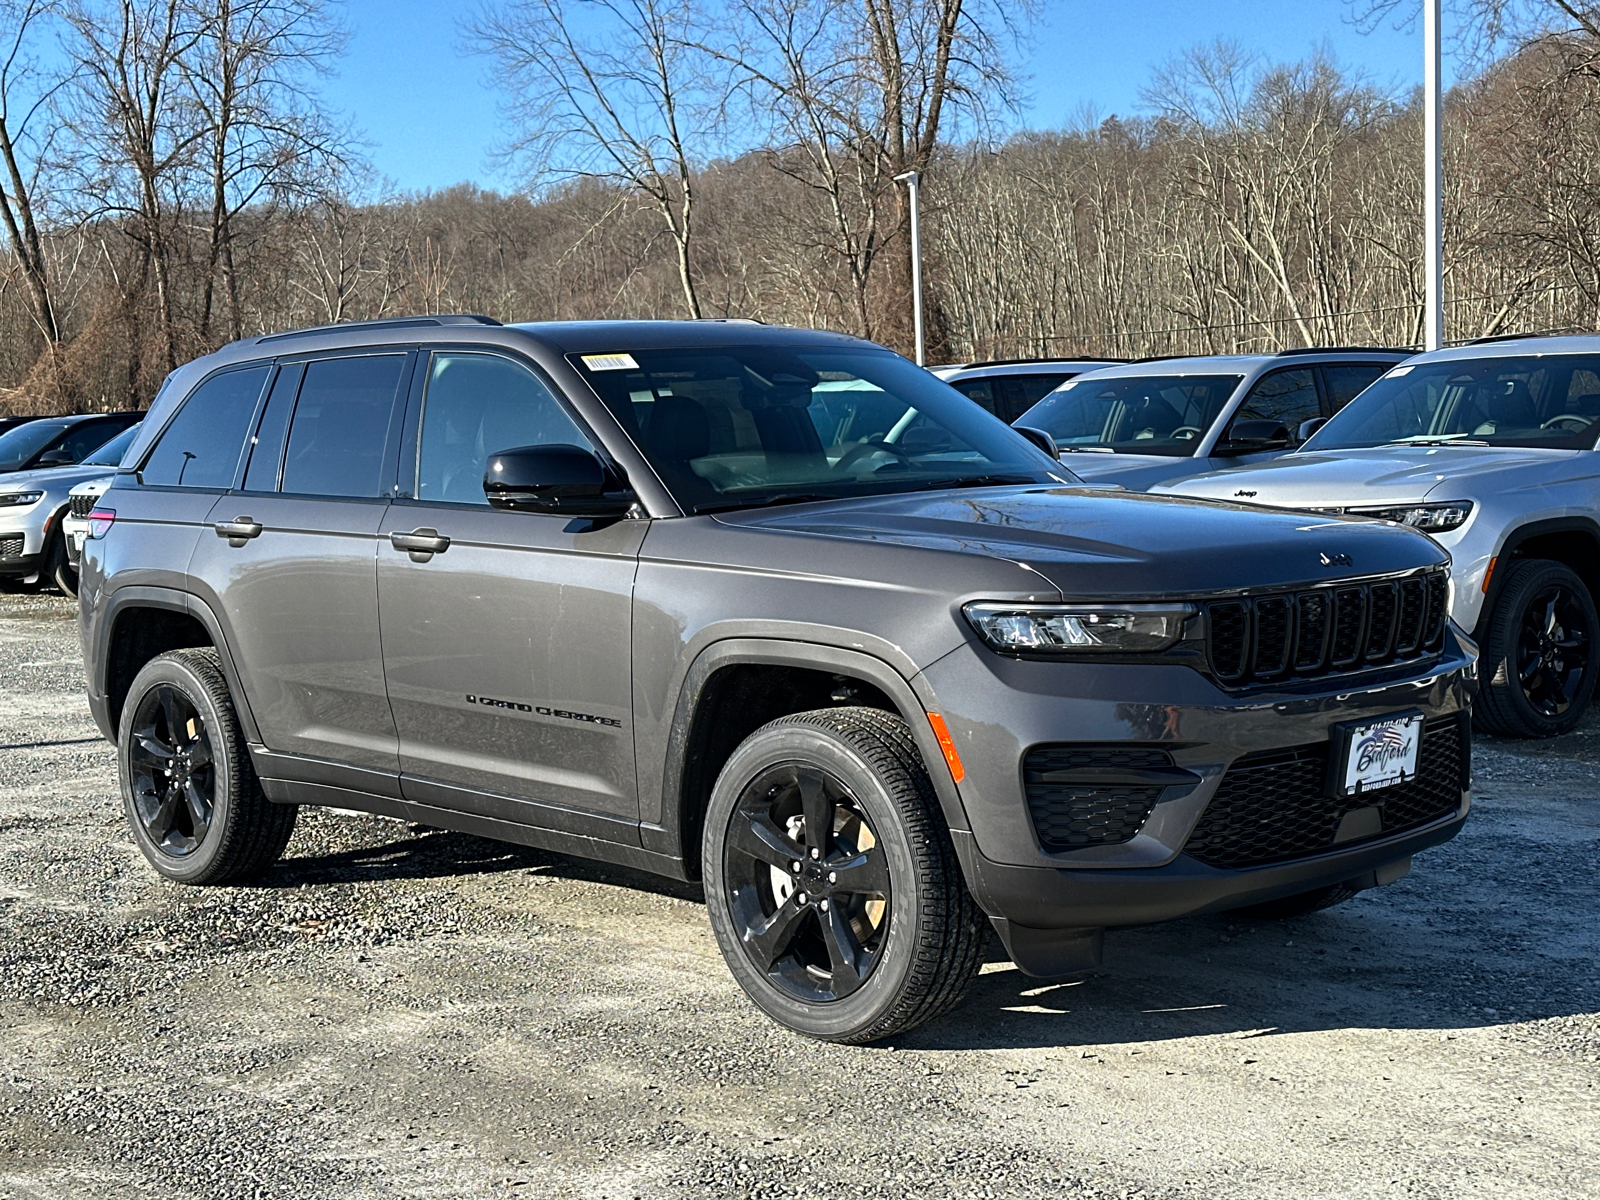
56 458
1040 439
562 480
1305 429
1254 435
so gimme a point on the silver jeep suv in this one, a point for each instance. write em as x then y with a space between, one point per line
767 608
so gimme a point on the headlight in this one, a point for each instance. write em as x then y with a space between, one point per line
17 499
1079 628
1430 518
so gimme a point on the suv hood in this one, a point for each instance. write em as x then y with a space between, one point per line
1089 542
53 478
1136 472
1381 475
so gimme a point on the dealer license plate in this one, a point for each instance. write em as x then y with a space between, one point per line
1379 753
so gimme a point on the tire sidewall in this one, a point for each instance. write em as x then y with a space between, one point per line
223 731
1505 631
881 992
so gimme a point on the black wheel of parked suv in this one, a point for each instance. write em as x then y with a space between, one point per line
58 567
193 801
831 881
1538 665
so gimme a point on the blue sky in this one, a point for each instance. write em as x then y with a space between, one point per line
427 112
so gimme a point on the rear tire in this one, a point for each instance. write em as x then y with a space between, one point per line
193 802
858 934
1538 667
1298 905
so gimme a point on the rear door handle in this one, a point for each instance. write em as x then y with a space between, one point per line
420 544
239 530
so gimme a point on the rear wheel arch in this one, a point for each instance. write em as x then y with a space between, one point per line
143 622
735 687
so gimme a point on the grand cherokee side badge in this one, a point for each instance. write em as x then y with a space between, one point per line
1335 560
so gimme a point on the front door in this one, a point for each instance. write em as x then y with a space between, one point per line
505 634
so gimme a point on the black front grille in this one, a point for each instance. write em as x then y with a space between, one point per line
1324 631
11 547
1070 813
81 506
1271 807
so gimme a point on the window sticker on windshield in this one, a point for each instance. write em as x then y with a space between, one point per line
619 361
1398 371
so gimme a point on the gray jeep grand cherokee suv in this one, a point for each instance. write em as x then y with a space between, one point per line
768 608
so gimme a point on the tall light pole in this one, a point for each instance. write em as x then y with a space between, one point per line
1432 182
911 180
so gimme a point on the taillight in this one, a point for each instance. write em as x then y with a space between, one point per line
100 521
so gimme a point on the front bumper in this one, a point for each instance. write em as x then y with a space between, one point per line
19 552
999 708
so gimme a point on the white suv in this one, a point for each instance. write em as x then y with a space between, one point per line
1491 449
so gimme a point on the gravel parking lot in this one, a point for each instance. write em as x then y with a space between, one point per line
402 1012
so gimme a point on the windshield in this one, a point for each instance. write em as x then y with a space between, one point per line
736 426
1548 400
18 445
110 455
1133 414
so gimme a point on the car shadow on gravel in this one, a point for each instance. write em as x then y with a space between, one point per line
440 854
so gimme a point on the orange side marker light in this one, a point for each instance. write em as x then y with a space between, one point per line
1489 574
948 746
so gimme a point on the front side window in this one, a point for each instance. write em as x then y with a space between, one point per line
1287 397
1550 401
738 426
18 445
477 405
201 447
1346 381
110 454
340 426
1133 414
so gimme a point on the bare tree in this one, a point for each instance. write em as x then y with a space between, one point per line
25 95
630 101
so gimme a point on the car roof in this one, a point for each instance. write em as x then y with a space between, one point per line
1245 364
1032 366
1575 343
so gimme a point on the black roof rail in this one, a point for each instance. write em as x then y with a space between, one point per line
1022 362
1344 350
1517 337
385 323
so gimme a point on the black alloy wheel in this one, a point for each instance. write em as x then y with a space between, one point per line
172 771
831 880
1553 651
1538 666
194 804
808 883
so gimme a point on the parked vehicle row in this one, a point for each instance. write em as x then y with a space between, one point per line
771 609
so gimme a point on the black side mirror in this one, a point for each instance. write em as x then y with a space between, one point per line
59 457
1305 429
1040 439
1252 436
566 481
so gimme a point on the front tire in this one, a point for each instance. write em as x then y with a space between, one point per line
831 882
1538 665
58 567
193 802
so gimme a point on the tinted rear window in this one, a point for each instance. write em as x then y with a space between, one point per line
341 426
201 447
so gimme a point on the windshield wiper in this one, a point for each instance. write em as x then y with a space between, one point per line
1437 439
967 481
765 502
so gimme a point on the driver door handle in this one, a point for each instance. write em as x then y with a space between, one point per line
420 544
239 530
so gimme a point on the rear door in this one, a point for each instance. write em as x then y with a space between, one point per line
290 560
507 647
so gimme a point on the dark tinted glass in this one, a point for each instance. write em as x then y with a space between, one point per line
110 454
1346 381
1016 394
477 405
1551 401
18 445
979 391
1134 414
341 425
1285 396
201 447
266 448
744 425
